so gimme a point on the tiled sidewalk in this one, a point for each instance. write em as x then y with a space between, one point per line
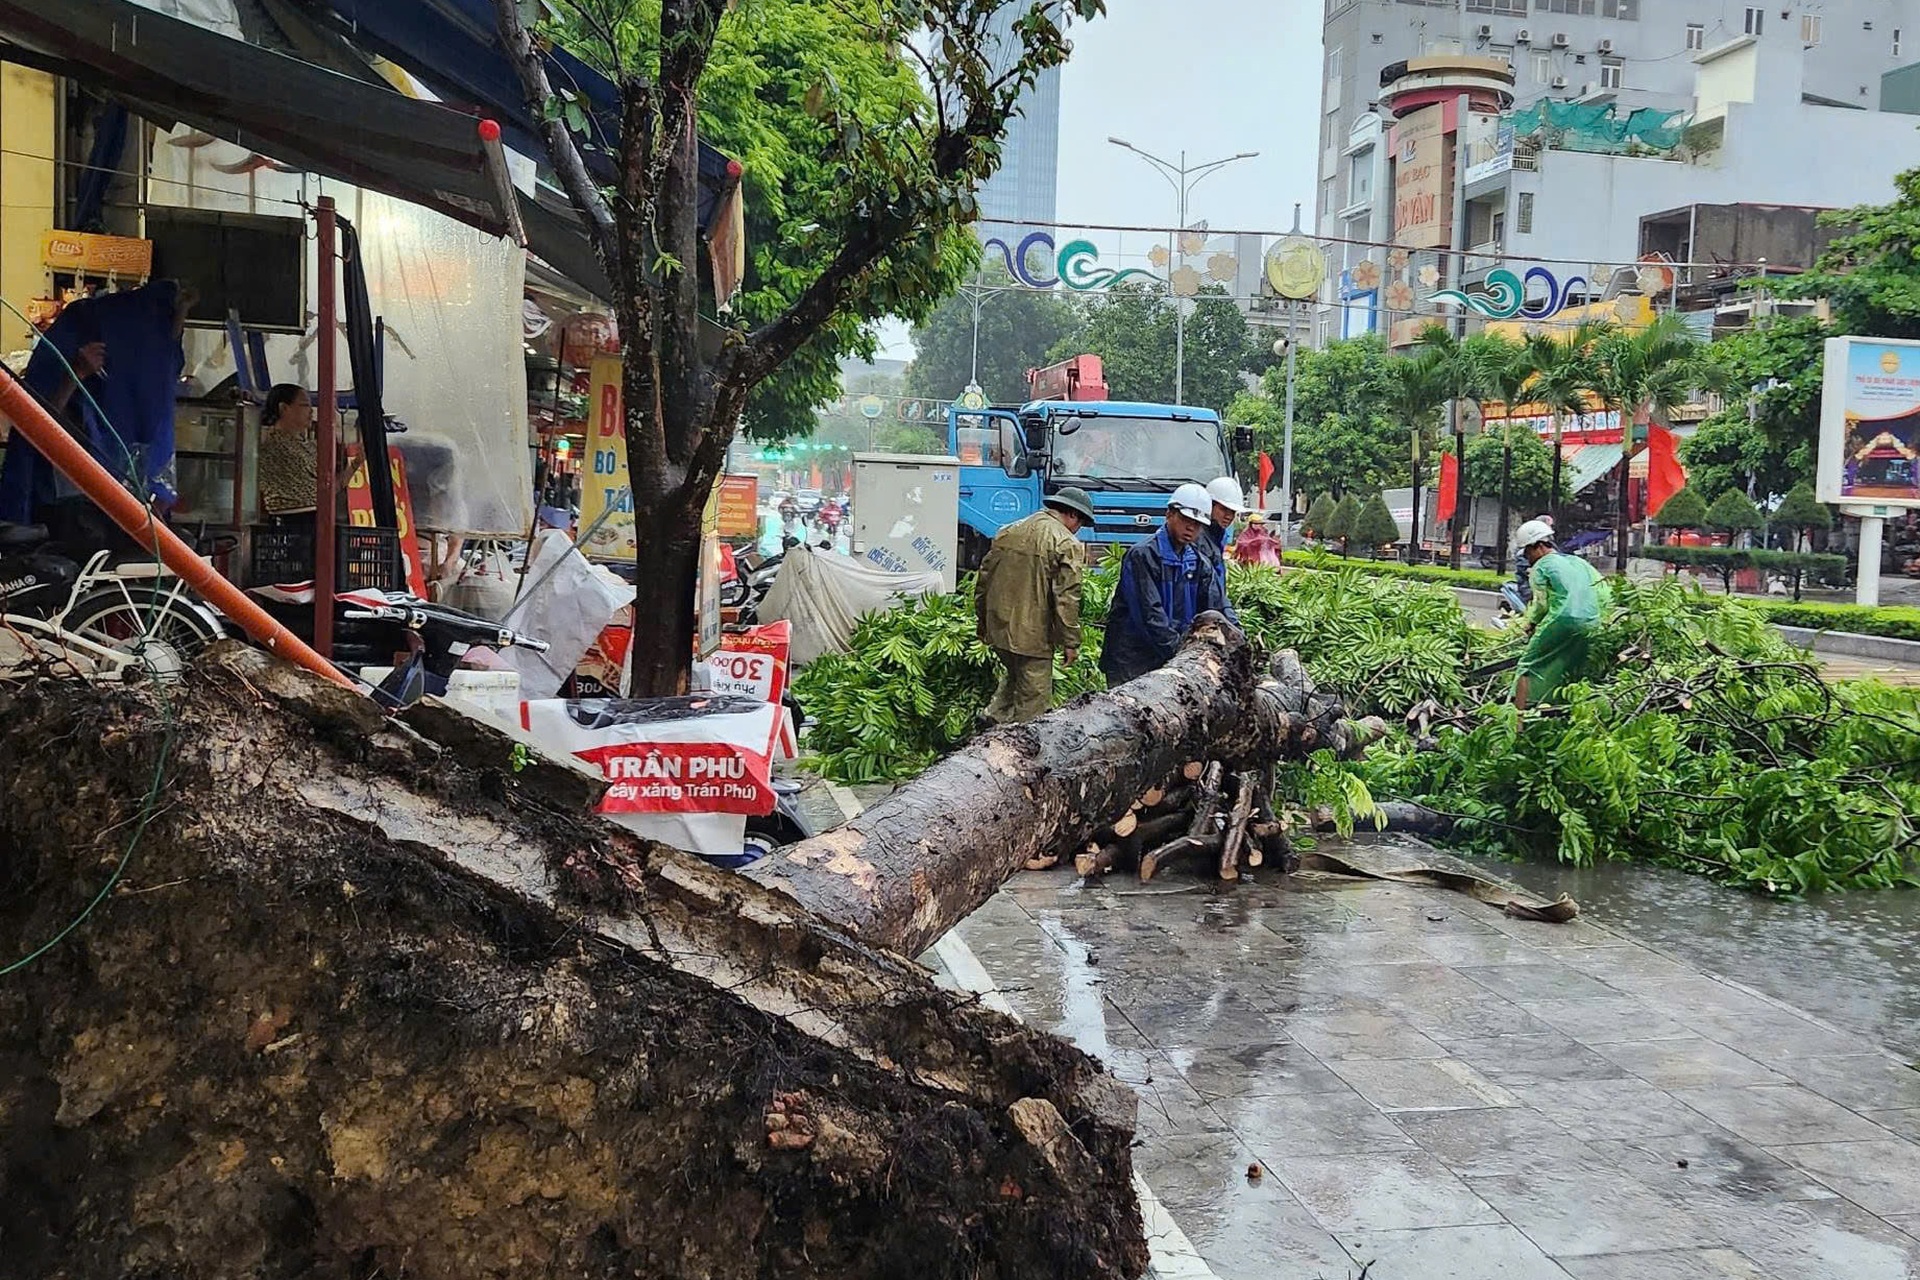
1429 1089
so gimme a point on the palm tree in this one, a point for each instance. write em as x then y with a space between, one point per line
1502 372
1563 374
1639 374
1452 363
1415 392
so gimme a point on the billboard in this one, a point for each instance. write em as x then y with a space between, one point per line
605 487
1870 423
1422 200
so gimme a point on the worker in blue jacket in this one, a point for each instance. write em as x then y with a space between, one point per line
1165 583
1229 504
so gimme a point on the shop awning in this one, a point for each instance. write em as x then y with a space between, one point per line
1591 463
453 46
170 71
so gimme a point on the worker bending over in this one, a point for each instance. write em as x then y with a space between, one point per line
1166 582
1569 598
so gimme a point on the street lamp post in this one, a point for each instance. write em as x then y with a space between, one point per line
1183 178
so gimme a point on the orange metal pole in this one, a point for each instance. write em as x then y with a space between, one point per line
326 421
76 464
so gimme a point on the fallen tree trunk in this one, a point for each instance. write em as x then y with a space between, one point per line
918 862
360 1005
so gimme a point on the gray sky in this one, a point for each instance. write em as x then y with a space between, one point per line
1213 76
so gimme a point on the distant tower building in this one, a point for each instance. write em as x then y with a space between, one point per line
1025 188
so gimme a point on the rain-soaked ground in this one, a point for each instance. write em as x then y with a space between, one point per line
1345 1078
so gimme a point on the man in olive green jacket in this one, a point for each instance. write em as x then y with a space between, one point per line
1027 601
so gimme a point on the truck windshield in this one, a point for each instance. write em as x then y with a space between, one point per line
1124 452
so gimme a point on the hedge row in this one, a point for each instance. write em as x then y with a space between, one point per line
1899 622
1479 579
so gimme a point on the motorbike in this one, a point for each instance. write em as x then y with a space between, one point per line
104 621
382 625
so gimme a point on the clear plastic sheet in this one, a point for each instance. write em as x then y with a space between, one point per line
455 369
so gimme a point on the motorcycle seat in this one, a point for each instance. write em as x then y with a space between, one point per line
14 537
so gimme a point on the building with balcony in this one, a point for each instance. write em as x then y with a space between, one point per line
1640 64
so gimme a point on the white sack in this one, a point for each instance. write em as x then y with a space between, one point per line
825 596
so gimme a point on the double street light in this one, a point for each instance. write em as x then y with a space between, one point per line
1182 177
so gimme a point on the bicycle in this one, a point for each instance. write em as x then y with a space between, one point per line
98 621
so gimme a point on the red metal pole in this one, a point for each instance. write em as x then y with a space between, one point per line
76 464
325 423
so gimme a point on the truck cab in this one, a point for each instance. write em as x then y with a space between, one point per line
1128 455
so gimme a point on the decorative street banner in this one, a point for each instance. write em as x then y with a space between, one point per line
1422 202
604 484
1075 264
1870 422
1507 297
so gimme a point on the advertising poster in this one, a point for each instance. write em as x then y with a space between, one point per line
360 513
604 484
1870 423
1422 196
708 601
740 506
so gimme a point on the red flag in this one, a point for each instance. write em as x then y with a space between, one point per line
1449 495
1266 478
1665 475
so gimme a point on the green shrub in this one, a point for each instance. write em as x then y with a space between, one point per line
1477 579
1898 622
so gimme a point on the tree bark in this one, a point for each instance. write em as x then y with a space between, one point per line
362 1004
908 869
665 614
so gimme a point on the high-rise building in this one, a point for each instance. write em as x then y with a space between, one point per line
1025 188
1743 80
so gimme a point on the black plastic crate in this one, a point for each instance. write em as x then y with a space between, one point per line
365 557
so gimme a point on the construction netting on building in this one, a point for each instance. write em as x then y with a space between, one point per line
1599 127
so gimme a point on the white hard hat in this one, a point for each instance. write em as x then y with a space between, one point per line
1192 501
1226 492
1533 531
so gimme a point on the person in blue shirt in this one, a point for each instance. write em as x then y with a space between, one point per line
1165 583
1229 504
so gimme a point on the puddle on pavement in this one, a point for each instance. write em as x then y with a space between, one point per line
1848 958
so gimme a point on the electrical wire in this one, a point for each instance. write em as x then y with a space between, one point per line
169 710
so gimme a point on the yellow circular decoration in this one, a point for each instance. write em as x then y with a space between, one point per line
1296 268
1890 361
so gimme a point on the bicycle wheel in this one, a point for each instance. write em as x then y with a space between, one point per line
158 625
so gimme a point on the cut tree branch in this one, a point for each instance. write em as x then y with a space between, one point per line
568 164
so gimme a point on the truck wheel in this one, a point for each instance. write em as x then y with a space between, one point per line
973 549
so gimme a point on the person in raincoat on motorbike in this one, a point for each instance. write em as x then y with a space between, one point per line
1569 599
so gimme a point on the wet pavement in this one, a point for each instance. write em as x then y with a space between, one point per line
1341 1078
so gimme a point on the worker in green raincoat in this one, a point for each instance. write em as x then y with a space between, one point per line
1569 599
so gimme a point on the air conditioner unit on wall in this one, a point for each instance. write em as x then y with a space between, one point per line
1606 46
1559 82
1486 31
1523 36
1560 40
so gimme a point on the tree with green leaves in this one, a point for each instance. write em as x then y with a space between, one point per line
1562 366
1319 515
1801 512
868 125
1019 328
1374 526
1684 510
1733 514
1462 368
1415 395
1131 329
1645 373
1502 370
1528 467
1870 276
1340 524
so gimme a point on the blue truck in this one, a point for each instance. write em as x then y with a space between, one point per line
1128 456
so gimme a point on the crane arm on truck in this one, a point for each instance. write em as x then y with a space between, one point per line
1081 378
